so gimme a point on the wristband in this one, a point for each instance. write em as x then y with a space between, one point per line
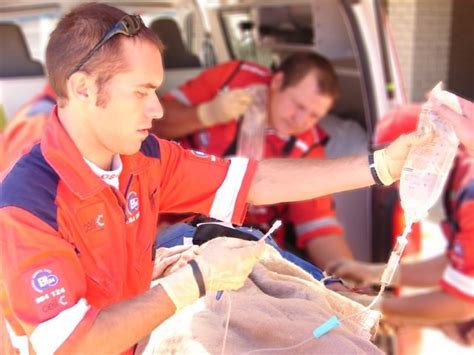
198 276
373 171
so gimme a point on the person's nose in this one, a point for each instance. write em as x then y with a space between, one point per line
154 109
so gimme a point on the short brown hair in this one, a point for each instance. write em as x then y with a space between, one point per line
297 66
76 34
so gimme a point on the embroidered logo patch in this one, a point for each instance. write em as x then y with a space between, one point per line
132 202
43 279
133 205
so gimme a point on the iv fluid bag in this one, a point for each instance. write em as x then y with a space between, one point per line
427 167
251 141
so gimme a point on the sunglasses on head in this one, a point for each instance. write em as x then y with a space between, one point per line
128 25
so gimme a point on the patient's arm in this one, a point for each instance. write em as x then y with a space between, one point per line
432 308
426 273
327 248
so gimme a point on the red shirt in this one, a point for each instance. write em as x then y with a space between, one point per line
72 245
458 278
311 218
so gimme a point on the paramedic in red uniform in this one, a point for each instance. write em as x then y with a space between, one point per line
26 126
452 271
298 96
78 211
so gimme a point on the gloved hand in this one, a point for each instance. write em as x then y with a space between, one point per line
167 257
390 160
185 257
225 264
224 107
360 272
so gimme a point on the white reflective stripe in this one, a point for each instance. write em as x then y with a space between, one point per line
20 343
459 281
302 145
180 96
255 70
224 202
316 224
49 335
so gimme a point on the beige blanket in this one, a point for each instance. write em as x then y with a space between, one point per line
279 306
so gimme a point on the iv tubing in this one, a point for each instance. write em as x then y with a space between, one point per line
334 322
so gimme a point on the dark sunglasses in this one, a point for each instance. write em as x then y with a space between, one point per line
129 26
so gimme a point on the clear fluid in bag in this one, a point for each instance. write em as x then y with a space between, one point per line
251 141
427 167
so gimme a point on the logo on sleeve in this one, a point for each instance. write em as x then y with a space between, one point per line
43 279
200 154
133 207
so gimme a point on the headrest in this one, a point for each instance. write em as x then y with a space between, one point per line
15 60
175 54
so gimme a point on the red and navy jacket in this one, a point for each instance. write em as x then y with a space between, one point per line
72 245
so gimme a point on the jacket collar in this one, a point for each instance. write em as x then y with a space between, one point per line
63 155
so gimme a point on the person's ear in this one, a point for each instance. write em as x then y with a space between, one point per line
277 81
82 87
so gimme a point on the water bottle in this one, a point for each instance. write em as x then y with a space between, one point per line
427 167
251 141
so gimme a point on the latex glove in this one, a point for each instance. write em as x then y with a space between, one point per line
184 258
224 107
166 257
360 272
225 264
390 160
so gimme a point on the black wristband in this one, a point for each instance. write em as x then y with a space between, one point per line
373 172
198 277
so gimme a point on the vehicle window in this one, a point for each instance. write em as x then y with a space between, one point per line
238 28
190 26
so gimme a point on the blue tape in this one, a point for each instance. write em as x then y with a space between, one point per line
219 295
328 325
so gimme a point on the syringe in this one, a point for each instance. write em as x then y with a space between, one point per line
275 226
395 256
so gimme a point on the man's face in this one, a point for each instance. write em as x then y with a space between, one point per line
297 108
122 124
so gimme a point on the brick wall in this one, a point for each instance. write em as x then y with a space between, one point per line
421 30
